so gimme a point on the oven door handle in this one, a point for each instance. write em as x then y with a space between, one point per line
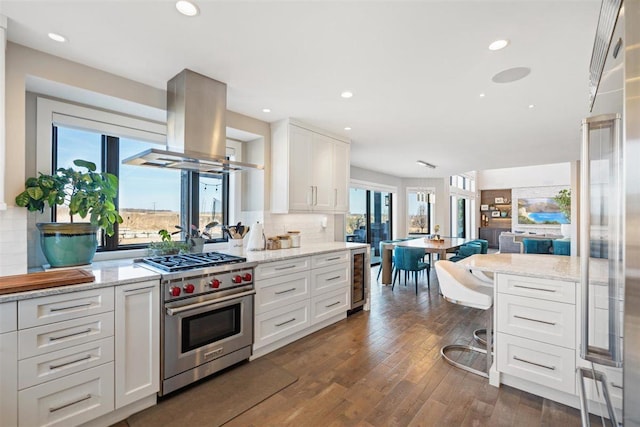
189 307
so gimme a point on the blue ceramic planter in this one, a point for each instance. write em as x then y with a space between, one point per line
68 244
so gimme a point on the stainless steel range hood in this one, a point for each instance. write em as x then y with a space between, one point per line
196 128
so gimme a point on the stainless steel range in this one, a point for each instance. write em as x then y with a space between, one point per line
207 320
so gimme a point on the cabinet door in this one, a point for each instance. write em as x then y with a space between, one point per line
322 173
137 346
341 174
9 379
300 160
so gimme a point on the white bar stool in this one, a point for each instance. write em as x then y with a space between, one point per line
459 286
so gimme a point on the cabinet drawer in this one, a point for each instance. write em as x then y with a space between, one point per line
281 291
541 363
8 316
281 322
551 290
50 366
546 321
72 400
56 308
330 258
57 336
329 304
614 386
330 278
278 268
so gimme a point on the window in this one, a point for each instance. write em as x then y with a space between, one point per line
369 218
149 199
462 205
420 210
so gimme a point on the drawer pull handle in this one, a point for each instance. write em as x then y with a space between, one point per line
70 307
551 368
534 288
331 305
139 289
335 258
534 320
284 323
333 278
616 386
216 352
66 405
285 291
86 331
87 357
284 268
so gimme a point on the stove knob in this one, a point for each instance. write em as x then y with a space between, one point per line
237 279
175 291
215 283
189 288
247 277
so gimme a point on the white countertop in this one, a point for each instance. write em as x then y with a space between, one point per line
555 267
125 271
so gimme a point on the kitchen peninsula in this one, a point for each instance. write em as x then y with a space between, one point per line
537 322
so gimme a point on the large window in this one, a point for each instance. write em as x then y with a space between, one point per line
420 210
462 205
149 199
369 218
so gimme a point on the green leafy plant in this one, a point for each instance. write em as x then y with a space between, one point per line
84 192
563 199
166 245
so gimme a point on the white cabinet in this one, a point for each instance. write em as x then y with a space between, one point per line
137 342
298 296
310 170
536 323
8 365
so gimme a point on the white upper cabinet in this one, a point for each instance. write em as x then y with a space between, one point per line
309 170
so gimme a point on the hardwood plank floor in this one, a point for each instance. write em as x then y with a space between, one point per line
383 368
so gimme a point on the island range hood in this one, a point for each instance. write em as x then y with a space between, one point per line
196 128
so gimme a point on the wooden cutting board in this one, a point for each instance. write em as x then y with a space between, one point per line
43 280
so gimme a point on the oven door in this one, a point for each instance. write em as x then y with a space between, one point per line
197 331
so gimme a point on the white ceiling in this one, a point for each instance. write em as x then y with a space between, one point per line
416 68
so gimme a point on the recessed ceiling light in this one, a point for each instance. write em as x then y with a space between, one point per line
346 94
531 105
187 8
482 95
499 44
347 128
57 37
266 110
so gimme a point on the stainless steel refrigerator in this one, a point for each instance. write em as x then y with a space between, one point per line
610 217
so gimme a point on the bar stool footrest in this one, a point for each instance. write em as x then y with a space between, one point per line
468 348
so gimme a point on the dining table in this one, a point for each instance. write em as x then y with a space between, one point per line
440 246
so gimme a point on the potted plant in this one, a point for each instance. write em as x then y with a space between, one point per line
167 246
563 199
84 193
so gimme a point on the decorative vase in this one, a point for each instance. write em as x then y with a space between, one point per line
68 244
196 245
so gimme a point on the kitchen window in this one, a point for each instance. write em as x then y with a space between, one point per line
149 199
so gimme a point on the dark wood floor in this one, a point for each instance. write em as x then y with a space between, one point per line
383 368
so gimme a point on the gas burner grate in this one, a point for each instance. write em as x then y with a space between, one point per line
192 261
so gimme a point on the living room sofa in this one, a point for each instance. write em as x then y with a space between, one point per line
511 243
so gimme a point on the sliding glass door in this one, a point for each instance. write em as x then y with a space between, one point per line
369 219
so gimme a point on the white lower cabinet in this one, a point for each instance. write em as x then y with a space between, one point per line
298 296
8 377
137 342
71 400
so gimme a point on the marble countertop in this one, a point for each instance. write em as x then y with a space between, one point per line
125 271
555 267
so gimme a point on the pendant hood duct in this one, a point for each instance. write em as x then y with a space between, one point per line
196 128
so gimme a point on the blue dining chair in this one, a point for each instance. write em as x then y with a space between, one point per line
410 260
466 250
561 247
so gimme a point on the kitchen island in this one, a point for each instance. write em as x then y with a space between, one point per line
537 321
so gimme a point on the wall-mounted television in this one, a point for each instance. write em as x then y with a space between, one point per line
540 210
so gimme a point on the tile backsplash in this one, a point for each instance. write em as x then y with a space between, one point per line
313 228
13 242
